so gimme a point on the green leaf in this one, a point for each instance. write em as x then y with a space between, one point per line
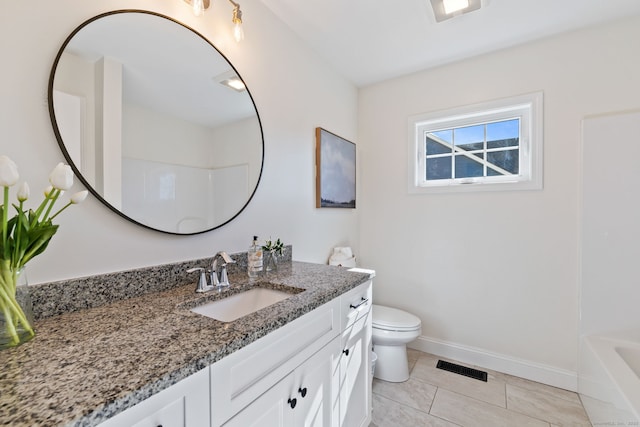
38 240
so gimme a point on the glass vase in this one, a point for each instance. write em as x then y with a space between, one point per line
271 261
16 310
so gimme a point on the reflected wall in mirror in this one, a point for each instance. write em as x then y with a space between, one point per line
140 112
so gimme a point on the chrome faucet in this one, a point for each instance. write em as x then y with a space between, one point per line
220 279
203 286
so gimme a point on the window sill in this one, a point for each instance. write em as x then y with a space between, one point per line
476 186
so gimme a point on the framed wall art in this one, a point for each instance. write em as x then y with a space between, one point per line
335 171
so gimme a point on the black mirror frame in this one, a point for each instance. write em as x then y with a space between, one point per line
76 170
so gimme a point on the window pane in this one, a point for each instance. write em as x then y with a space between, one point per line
469 138
468 167
503 134
507 160
439 168
437 142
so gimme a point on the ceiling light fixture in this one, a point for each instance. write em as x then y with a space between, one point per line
447 9
199 6
235 83
231 80
451 6
238 33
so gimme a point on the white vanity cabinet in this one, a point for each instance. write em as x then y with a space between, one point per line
311 372
324 355
184 404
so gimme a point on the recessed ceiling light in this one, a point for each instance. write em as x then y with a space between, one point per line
447 9
451 6
234 83
231 79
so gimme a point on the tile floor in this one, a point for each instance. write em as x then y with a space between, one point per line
433 397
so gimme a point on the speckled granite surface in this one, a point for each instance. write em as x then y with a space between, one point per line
85 366
52 299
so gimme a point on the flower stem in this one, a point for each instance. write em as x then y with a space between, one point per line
13 314
53 198
15 256
7 277
5 208
9 326
61 209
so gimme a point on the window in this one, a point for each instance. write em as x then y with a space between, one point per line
492 146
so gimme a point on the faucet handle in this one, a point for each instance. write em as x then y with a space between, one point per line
225 256
203 286
224 278
214 277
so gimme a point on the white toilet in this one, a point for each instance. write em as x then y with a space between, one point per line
392 330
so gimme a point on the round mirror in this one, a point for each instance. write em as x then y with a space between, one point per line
156 122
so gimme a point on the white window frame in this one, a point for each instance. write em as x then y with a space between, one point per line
527 108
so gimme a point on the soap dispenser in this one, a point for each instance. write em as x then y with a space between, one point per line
254 259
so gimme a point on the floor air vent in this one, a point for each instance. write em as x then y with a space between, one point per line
462 370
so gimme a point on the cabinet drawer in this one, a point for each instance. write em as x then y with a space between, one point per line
355 304
241 377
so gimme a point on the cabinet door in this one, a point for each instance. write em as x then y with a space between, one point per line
184 404
271 409
313 387
304 398
355 374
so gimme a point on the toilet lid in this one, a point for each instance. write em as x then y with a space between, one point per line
392 319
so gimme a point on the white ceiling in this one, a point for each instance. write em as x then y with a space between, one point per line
373 40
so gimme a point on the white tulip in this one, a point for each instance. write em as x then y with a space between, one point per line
61 177
8 172
23 192
48 191
79 197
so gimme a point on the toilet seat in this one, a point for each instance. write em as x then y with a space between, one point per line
392 319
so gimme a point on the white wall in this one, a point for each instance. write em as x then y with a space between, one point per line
610 229
492 275
293 90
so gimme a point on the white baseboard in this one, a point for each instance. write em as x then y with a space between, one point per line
538 372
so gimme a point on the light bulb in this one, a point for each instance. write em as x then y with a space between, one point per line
451 6
235 83
198 7
238 33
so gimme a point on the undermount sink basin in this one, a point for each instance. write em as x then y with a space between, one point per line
235 306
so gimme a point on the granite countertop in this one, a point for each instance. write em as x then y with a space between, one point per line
85 366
